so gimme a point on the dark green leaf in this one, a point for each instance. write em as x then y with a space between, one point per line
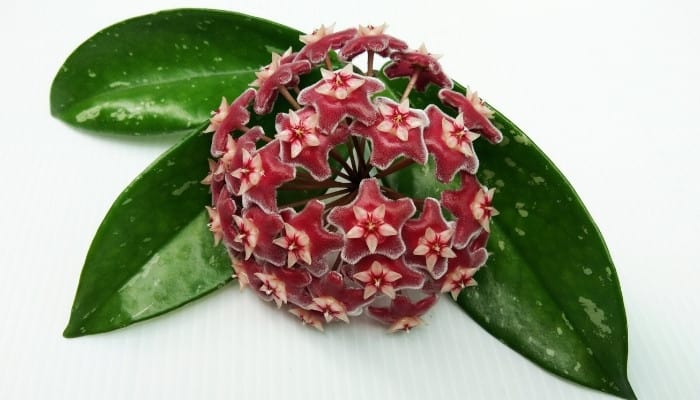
164 72
550 290
153 251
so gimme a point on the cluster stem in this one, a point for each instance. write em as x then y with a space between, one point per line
288 96
370 63
411 85
399 165
321 197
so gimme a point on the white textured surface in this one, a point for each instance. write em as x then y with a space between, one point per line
609 90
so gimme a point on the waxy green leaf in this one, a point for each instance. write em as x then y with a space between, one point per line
549 290
153 251
164 72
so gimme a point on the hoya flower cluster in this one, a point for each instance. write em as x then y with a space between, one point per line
303 207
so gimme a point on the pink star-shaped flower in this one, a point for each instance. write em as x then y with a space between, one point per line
298 131
406 63
226 208
306 241
217 169
371 223
459 279
217 116
341 94
397 132
215 179
228 119
371 38
402 314
380 274
242 171
282 285
296 242
249 173
471 204
482 208
272 288
334 299
309 317
283 71
260 174
215 224
429 240
245 271
460 271
303 143
256 231
475 113
450 142
478 245
321 41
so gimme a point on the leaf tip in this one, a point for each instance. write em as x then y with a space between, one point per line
626 391
71 332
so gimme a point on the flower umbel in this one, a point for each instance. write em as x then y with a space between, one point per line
305 206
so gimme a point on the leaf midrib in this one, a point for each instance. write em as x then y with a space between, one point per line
101 92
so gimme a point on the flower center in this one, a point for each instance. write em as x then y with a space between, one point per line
371 226
249 173
300 131
330 307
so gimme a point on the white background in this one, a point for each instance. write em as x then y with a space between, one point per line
609 90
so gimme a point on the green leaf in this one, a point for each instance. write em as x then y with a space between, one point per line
549 290
164 72
153 251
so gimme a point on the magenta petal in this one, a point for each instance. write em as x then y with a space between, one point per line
388 146
406 63
286 75
246 142
459 203
321 241
466 258
448 161
332 110
474 119
380 44
402 308
370 200
245 272
296 282
312 158
237 117
226 209
268 225
316 52
215 179
333 285
415 229
276 172
410 279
